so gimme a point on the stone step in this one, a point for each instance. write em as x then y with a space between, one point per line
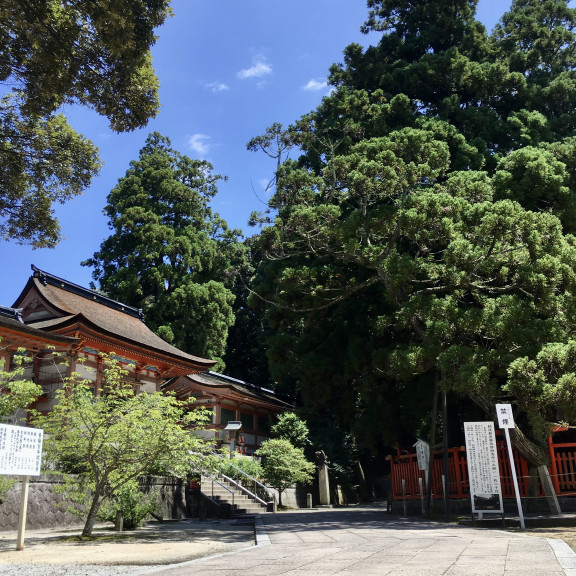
241 507
239 499
242 502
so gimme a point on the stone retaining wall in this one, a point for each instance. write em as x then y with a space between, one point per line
47 509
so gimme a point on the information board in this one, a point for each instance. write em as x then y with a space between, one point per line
20 450
483 470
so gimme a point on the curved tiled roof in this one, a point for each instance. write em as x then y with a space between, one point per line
31 332
214 380
75 303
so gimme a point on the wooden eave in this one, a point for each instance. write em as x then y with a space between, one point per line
185 386
16 335
101 340
31 287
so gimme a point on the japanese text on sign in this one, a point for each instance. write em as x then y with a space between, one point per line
423 454
505 416
20 450
483 471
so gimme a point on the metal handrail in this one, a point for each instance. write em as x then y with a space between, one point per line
207 474
245 490
266 489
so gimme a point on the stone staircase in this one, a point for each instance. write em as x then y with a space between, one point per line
228 492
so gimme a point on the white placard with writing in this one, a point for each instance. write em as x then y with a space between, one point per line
483 470
20 450
505 416
422 454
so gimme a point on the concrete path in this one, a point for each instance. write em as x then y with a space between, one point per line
367 541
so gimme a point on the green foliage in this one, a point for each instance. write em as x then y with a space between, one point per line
5 485
135 506
45 161
425 228
168 253
111 439
96 54
283 465
16 392
290 427
247 464
245 348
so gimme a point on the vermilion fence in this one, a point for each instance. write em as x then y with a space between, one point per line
405 467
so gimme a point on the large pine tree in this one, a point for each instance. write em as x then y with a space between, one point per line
423 232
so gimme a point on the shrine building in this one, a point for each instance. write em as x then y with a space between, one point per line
53 316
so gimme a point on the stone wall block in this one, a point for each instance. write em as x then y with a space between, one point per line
47 509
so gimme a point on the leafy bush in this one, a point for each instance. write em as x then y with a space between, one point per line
284 465
134 505
5 485
247 464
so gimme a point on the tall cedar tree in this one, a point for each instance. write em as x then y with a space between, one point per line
424 231
169 254
53 52
245 349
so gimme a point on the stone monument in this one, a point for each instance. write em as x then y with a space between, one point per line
323 480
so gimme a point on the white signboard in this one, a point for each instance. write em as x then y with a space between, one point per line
483 471
422 454
20 450
505 416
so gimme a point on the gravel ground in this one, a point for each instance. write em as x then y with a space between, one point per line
567 534
69 570
65 553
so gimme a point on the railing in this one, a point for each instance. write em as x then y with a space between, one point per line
259 490
405 474
563 469
245 490
215 481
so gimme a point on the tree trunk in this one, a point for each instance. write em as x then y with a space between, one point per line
93 513
534 454
362 487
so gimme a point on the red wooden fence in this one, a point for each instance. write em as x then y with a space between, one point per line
405 467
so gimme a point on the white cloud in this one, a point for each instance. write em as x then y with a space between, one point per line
218 87
265 184
199 143
259 69
314 85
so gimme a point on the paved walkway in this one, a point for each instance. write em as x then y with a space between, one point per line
367 541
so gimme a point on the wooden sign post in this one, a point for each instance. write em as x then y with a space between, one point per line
21 455
506 421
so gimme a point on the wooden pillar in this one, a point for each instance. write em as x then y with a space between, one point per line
98 383
138 369
553 466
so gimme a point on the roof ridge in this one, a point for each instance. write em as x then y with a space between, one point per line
47 278
14 313
227 378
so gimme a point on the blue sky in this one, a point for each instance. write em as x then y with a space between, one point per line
227 70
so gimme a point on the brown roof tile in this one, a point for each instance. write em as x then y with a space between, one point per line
75 303
213 380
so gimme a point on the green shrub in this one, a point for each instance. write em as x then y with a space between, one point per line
247 464
5 485
134 505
